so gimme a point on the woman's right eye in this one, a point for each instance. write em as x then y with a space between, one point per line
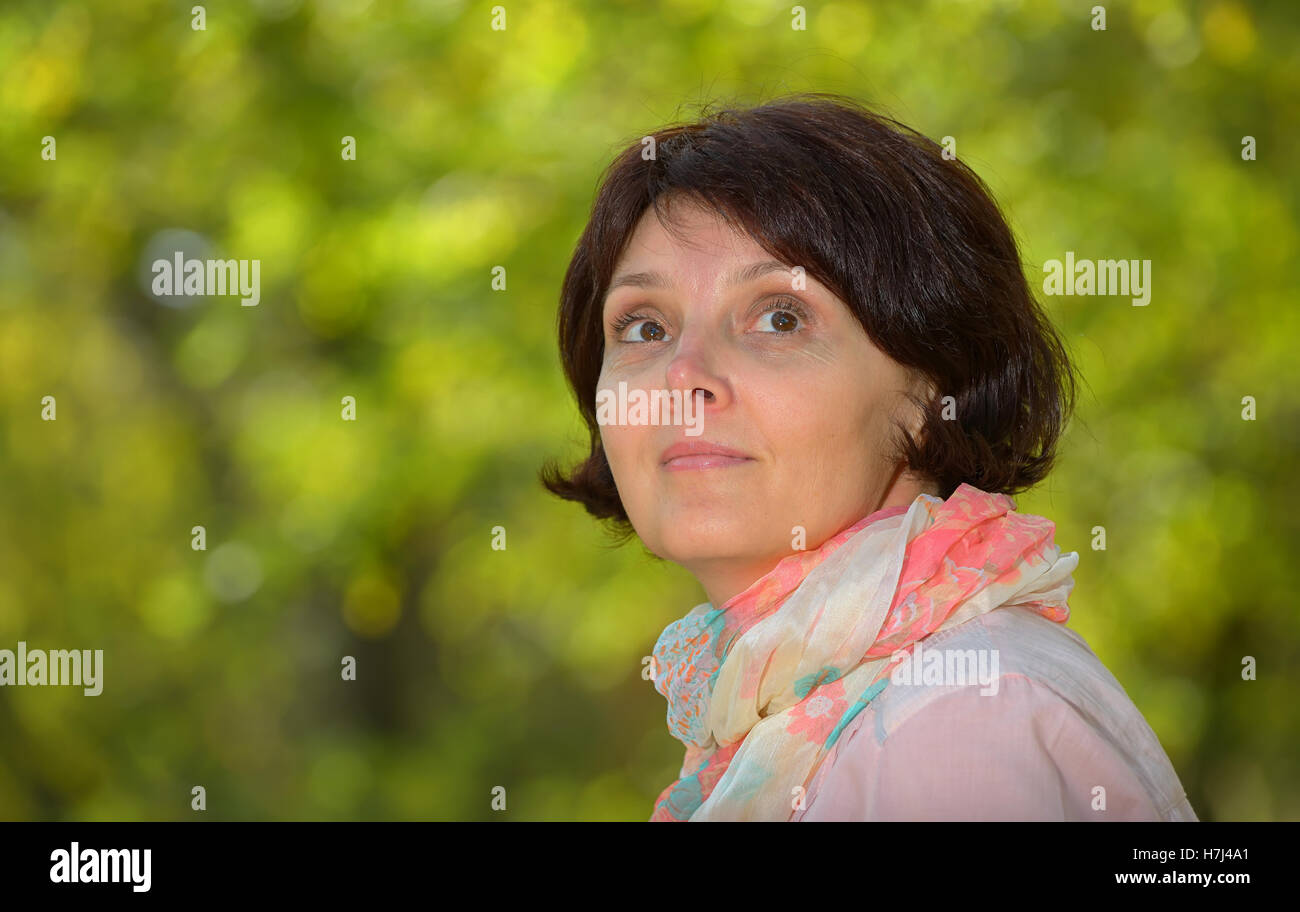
648 331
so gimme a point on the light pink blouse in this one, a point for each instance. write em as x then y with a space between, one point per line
1059 740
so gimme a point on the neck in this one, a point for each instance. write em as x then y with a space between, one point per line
722 584
725 578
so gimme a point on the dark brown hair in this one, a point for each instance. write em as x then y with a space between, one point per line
912 242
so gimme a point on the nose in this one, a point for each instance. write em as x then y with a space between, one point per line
694 367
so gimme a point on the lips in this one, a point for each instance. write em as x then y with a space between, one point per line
700 454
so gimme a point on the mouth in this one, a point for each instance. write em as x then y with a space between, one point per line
704 461
688 455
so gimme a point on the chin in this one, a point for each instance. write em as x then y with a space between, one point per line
686 542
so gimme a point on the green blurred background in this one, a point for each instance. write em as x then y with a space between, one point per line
479 149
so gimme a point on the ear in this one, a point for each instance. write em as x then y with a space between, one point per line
915 415
925 390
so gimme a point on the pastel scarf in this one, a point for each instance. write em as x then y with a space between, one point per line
760 689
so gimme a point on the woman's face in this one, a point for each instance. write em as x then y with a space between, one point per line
790 380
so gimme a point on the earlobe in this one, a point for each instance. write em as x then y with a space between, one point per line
926 391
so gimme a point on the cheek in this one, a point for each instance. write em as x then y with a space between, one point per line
774 401
802 416
626 450
612 440
821 430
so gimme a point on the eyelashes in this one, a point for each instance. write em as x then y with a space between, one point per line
780 305
623 322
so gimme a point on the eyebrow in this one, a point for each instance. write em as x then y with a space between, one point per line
659 280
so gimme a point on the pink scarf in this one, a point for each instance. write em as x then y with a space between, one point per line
760 689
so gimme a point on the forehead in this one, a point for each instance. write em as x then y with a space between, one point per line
693 234
695 251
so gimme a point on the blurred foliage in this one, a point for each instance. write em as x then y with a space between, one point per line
479 148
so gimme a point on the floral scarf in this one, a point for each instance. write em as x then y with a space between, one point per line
760 689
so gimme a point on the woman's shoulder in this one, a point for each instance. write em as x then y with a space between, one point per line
979 656
1008 716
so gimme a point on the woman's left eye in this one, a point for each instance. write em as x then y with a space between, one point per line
784 317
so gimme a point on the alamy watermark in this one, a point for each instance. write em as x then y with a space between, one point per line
959 667
35 667
1099 277
77 865
179 276
654 406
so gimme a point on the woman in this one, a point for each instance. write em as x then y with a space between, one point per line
844 312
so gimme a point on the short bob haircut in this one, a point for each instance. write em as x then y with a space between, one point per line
912 242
